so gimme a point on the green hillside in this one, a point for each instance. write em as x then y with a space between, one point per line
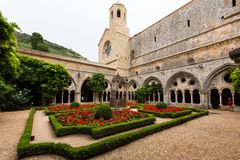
24 41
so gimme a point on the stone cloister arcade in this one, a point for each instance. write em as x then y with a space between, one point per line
181 88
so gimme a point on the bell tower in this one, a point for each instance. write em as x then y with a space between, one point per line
113 48
118 18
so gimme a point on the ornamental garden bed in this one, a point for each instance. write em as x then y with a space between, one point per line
168 112
26 149
85 122
64 108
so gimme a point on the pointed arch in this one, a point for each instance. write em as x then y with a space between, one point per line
149 79
86 94
181 74
131 82
215 73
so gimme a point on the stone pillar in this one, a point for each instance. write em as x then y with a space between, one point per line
69 97
102 96
165 97
62 97
154 100
149 98
127 98
220 98
78 97
159 96
191 93
183 97
233 98
176 97
202 98
209 100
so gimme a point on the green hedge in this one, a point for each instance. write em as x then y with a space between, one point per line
26 149
98 132
167 114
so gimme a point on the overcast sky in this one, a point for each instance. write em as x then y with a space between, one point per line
79 24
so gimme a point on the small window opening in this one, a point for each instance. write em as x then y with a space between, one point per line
188 22
112 14
118 13
155 39
234 3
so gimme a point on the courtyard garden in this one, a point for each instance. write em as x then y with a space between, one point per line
99 127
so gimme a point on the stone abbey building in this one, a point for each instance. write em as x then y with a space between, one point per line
187 52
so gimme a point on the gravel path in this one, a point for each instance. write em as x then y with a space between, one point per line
213 137
11 128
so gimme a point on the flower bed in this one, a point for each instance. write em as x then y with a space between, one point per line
87 118
26 149
72 123
168 109
169 112
131 103
66 108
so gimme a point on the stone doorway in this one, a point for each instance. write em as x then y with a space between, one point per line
86 93
215 99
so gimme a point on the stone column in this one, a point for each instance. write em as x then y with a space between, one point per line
69 96
220 98
191 94
159 96
209 100
78 97
154 100
202 98
149 98
62 97
102 96
165 97
233 98
176 97
183 97
127 98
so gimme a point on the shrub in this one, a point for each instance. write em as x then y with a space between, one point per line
161 105
103 111
74 104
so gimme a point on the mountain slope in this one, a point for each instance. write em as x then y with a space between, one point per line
24 41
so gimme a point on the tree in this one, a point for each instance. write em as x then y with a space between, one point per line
43 79
144 91
9 62
37 42
235 76
97 84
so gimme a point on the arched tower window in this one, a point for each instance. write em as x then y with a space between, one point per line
118 13
107 48
234 3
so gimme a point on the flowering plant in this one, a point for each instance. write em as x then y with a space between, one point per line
87 118
66 107
170 109
131 103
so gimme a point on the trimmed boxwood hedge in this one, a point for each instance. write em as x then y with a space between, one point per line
26 149
168 114
98 132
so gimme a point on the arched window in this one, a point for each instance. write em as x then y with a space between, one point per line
118 13
107 48
234 3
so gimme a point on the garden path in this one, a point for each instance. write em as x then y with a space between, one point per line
43 132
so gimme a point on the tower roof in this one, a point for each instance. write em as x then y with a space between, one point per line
117 4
